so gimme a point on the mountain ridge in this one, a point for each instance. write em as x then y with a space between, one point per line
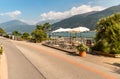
88 21
18 25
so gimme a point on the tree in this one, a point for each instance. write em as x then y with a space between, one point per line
46 27
39 27
38 35
108 32
2 31
16 33
25 36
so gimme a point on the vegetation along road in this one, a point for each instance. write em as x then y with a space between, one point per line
34 61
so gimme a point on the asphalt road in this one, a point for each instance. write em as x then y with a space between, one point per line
31 61
18 66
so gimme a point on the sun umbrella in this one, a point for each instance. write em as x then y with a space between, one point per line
62 30
79 29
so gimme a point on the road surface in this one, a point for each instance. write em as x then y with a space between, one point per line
18 66
32 61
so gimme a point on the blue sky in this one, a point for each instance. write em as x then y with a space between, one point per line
32 11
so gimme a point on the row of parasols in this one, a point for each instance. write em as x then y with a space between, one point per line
77 29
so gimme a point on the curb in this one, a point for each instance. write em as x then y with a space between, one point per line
3 67
65 50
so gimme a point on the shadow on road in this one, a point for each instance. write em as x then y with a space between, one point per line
117 67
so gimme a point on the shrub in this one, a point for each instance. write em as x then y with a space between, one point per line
1 50
82 47
107 37
102 45
115 48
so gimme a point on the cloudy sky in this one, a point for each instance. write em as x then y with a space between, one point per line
32 11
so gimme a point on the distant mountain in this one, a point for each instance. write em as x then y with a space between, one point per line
50 21
88 20
10 26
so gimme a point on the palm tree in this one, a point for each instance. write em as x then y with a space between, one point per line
39 27
16 33
45 27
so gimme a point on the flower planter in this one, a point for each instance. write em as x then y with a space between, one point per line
82 50
82 54
1 49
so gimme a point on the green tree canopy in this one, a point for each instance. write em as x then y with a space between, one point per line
108 32
45 27
38 35
25 36
39 27
2 31
16 33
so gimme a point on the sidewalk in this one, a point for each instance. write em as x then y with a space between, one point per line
108 62
3 67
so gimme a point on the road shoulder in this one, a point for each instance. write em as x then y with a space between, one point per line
3 67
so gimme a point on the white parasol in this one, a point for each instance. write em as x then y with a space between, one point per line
79 29
62 30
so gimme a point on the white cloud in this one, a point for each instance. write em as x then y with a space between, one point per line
12 14
52 15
